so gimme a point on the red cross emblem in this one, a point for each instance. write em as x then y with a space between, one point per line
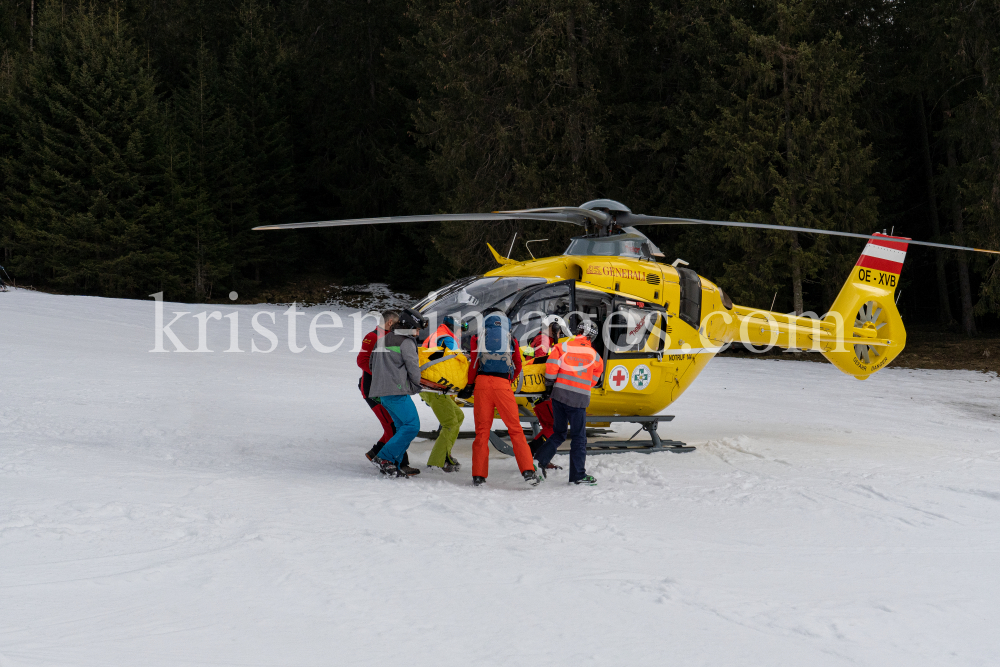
618 378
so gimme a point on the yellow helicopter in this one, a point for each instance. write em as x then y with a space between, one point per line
660 323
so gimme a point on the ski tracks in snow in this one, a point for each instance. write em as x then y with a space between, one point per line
217 509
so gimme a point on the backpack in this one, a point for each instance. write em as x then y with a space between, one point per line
494 351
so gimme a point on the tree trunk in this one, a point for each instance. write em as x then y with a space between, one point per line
789 157
965 289
199 286
944 304
796 275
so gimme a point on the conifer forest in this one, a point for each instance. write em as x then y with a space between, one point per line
141 140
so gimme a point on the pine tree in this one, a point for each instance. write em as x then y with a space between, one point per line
924 80
351 123
665 100
350 117
791 152
9 72
86 191
669 92
199 163
259 186
974 128
512 115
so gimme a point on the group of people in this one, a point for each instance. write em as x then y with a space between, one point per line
391 375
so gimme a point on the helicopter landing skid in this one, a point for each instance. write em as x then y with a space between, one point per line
648 424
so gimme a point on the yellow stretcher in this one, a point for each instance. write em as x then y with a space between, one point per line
447 370
443 369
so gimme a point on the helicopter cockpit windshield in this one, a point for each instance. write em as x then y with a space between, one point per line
473 295
631 244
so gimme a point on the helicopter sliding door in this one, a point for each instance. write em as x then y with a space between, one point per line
634 337
530 315
596 306
529 312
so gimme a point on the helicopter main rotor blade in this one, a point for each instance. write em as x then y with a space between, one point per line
597 216
634 219
555 216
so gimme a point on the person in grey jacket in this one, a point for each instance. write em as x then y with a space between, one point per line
395 377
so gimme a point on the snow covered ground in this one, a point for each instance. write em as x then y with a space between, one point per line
217 509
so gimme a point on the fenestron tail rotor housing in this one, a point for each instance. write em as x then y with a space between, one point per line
869 316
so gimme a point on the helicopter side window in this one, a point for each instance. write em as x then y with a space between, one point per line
690 305
659 336
529 320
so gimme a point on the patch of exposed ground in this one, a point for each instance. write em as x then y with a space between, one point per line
924 349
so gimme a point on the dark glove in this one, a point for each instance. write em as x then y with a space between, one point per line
546 395
466 392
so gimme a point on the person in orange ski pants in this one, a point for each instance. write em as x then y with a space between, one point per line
493 392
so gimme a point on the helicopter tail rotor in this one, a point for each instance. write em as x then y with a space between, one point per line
870 332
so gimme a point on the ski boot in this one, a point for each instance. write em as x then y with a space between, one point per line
543 470
451 465
478 481
373 452
388 468
532 477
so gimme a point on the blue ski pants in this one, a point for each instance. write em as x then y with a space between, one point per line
577 419
404 417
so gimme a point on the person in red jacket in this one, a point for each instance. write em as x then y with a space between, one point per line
368 343
541 346
544 341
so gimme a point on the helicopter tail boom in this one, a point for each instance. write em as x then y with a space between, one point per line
861 333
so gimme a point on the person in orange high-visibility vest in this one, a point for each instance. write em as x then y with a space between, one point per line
572 370
445 335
